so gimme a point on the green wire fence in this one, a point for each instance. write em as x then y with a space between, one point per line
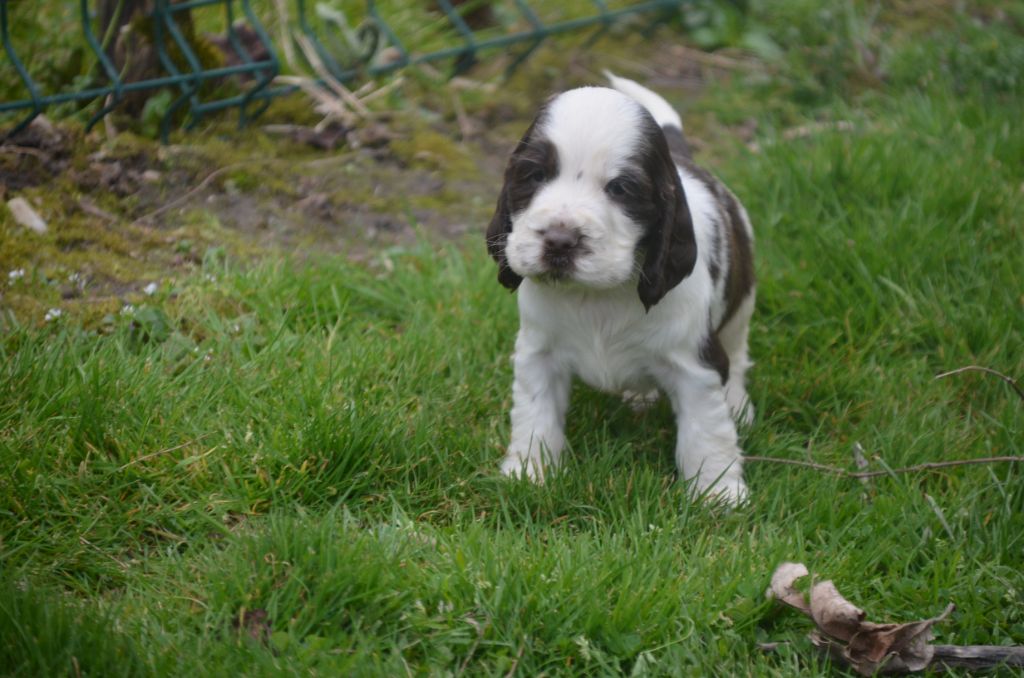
191 78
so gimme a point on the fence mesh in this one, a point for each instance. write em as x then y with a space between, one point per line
350 40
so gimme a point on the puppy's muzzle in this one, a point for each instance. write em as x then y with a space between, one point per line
561 246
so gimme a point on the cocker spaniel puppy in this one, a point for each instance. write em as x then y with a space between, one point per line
634 271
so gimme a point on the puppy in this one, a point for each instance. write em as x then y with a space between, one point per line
634 271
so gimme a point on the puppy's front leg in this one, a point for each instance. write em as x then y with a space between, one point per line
540 396
706 449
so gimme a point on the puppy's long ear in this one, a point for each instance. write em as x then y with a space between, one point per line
516 193
670 248
497 236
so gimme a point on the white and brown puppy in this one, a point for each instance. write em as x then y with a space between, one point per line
634 273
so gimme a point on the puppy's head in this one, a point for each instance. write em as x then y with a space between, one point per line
593 198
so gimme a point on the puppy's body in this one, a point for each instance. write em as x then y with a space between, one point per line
633 270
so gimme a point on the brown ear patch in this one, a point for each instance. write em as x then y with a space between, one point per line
678 146
732 251
669 246
739 279
497 238
533 162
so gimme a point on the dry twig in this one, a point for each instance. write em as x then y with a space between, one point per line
332 98
987 370
284 37
92 209
808 130
515 662
23 150
343 93
199 187
467 128
163 451
927 466
368 93
481 629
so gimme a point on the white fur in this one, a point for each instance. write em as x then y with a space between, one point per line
660 110
594 326
595 130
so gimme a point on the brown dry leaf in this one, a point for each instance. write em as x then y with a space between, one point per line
834 614
902 647
867 647
782 587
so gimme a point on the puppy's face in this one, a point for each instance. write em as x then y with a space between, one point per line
592 197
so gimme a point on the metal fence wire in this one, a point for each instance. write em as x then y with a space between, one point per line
360 44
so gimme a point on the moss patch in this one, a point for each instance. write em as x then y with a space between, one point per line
125 211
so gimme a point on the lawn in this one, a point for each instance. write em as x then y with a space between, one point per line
285 463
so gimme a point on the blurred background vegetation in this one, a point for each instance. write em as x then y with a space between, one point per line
124 212
824 49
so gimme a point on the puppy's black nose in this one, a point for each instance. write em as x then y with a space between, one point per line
559 240
560 247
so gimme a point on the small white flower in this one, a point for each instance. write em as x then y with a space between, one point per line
74 277
127 309
211 277
16 274
150 289
52 314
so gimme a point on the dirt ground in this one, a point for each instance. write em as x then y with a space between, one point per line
124 212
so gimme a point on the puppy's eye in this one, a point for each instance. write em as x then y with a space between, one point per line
618 187
537 176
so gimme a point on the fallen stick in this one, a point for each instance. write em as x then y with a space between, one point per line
927 466
181 200
977 657
986 370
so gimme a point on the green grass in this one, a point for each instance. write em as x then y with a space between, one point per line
290 467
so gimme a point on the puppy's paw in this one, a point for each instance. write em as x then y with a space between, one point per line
517 466
728 492
641 401
732 493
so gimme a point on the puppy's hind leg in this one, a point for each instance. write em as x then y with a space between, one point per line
706 449
641 401
733 337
